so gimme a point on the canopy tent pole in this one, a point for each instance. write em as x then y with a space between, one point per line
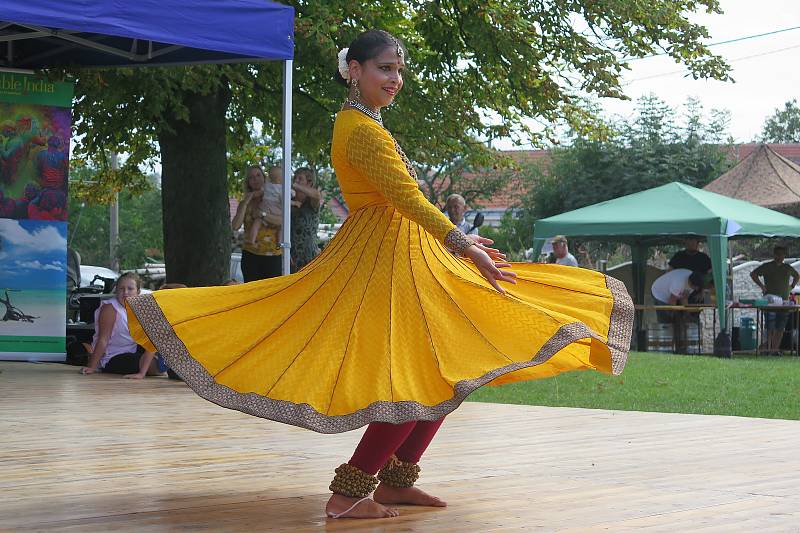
639 252
286 230
718 246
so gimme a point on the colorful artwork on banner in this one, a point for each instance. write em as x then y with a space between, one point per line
33 270
34 161
35 131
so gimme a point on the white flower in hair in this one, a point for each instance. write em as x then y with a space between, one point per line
344 70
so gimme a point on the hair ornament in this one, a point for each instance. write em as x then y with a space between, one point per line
344 70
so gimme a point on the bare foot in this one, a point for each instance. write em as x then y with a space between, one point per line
408 496
367 509
133 376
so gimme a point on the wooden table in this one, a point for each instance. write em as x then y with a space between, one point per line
689 308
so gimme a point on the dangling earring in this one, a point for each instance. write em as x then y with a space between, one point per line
358 91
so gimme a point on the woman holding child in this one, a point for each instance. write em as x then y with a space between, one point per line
261 249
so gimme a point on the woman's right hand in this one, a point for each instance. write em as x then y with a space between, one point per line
490 269
87 370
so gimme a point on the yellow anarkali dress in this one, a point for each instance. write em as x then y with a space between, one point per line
385 324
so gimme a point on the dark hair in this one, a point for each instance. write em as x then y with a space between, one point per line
779 248
367 46
697 279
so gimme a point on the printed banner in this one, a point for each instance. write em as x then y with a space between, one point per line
25 89
35 132
33 270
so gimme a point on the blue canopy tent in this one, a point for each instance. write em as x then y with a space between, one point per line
38 34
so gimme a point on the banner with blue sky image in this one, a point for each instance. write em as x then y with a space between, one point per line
35 131
33 270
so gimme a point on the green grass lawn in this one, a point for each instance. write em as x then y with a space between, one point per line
763 387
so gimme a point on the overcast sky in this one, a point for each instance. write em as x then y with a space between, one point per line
763 83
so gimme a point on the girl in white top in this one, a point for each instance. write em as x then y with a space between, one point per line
113 349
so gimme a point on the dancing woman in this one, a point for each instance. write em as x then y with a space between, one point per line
394 324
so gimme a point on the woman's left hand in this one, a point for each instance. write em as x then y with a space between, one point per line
489 267
481 242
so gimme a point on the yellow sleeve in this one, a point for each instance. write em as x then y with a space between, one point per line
371 151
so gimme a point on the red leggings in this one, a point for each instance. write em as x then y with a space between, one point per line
407 441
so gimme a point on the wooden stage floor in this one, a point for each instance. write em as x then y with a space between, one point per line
99 453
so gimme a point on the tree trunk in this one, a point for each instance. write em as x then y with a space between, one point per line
194 192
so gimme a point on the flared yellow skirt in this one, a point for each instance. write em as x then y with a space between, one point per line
385 325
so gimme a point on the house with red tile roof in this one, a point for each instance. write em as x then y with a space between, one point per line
790 151
507 197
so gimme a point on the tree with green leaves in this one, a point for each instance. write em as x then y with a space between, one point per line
784 125
476 71
139 218
656 146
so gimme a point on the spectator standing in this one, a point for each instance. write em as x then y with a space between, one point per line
691 258
778 281
260 259
305 218
456 206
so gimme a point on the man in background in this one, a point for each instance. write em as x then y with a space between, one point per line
455 207
674 287
691 258
561 252
779 280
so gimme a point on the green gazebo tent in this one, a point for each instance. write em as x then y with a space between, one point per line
667 212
